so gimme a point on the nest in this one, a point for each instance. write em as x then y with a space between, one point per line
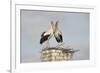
57 54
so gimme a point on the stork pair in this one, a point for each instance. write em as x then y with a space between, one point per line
54 30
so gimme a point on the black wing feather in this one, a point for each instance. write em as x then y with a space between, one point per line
43 34
44 38
59 38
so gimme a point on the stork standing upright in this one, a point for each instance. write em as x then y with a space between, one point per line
45 36
58 34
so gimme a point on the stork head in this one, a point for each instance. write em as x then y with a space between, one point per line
52 25
56 25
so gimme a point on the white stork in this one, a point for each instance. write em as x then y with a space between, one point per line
58 34
45 36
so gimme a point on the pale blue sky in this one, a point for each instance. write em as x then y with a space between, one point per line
74 27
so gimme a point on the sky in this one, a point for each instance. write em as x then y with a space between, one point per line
73 25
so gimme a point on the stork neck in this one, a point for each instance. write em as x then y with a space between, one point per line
56 28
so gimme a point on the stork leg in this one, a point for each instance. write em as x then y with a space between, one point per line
48 44
59 44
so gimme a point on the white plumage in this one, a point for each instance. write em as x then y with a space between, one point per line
58 34
54 30
47 35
